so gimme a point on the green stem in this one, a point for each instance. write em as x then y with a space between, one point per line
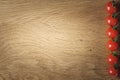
114 3
115 53
116 26
116 66
116 39
115 15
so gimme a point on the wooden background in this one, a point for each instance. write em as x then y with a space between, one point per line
53 40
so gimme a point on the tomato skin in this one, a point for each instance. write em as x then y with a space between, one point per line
110 8
112 71
112 60
111 45
111 33
111 21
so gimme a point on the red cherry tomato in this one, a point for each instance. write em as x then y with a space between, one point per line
111 21
111 59
111 33
112 71
110 8
111 45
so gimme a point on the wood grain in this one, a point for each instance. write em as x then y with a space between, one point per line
53 40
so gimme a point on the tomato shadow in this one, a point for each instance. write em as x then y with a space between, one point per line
118 38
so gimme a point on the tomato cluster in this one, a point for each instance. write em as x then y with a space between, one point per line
112 33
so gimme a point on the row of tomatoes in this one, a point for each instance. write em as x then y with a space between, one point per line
112 33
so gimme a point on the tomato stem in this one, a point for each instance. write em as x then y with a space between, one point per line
115 53
116 26
114 3
116 14
116 66
116 39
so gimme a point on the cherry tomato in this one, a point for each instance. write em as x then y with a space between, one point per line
111 33
111 21
110 8
111 59
111 45
112 71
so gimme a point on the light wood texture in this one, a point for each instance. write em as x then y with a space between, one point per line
53 40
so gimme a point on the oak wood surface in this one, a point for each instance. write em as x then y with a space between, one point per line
53 40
